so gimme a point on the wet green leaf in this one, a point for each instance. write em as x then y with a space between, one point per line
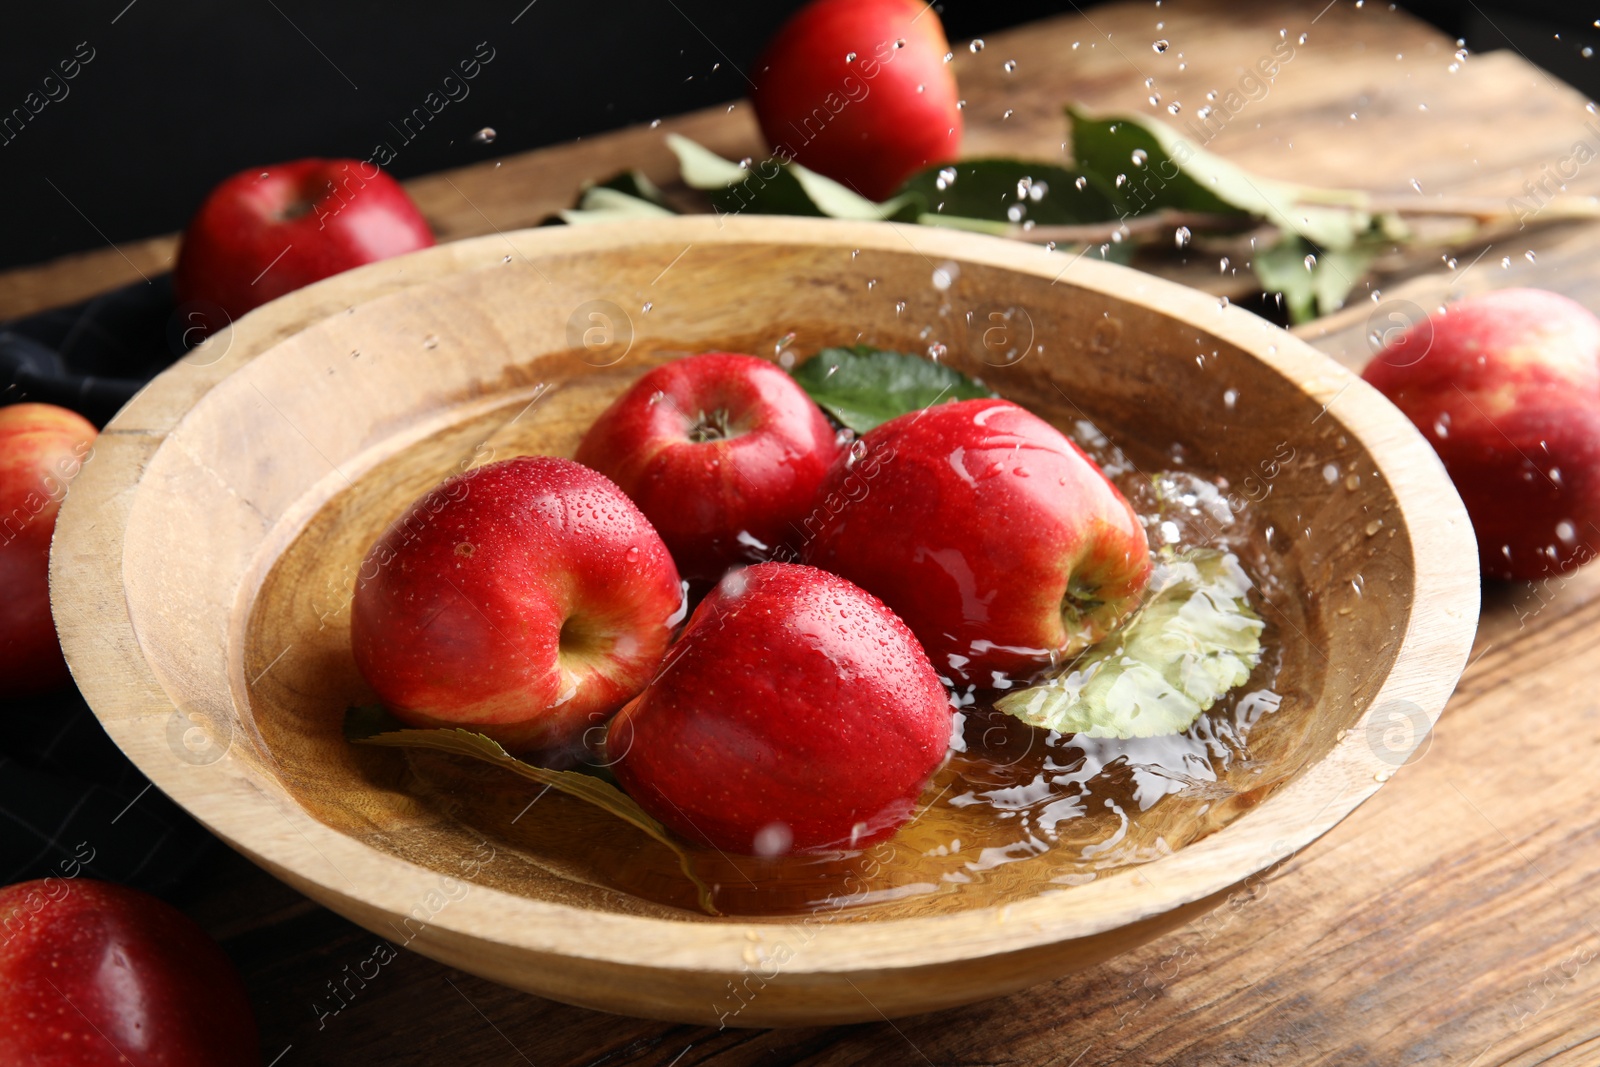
1315 289
864 387
1161 169
1194 638
372 725
988 190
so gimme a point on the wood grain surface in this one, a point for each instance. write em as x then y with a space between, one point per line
1449 921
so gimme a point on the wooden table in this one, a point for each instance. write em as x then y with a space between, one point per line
1450 920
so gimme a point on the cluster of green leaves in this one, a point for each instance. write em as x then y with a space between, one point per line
1125 167
1193 639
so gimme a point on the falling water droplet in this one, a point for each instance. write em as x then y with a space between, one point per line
936 351
1181 237
430 341
1080 183
1009 112
899 306
485 135
648 305
948 56
1530 257
1009 66
946 178
849 57
1174 107
1160 46
1222 265
1311 262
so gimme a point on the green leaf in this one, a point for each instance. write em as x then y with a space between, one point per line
1194 638
601 203
864 387
1163 170
774 187
1317 289
372 725
702 168
988 189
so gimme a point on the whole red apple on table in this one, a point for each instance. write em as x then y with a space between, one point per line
527 600
98 974
42 448
722 452
994 537
859 90
269 230
795 713
1508 393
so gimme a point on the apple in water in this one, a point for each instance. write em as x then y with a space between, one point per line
97 975
859 90
995 538
722 452
795 713
526 600
267 231
42 448
1506 387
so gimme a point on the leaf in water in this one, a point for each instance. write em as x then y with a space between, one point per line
1009 191
1319 288
864 387
1163 170
1194 638
372 725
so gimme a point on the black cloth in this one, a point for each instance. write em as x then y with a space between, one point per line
71 804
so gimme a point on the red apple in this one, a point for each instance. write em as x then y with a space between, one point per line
995 538
270 230
722 452
795 713
859 90
527 600
42 448
98 974
1506 387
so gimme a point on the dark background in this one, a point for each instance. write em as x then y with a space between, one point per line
182 93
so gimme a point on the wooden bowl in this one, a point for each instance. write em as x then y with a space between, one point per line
204 558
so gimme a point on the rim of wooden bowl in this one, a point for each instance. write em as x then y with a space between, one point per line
257 816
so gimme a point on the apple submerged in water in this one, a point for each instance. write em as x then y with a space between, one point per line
526 599
994 537
795 713
722 452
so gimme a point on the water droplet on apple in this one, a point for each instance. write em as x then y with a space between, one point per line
485 135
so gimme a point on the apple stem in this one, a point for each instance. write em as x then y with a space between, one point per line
712 427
